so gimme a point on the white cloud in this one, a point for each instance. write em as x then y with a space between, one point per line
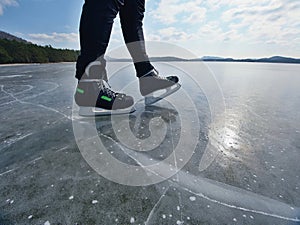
244 22
5 3
174 34
270 22
197 15
176 11
57 40
54 37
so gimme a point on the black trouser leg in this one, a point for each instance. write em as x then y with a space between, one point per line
131 17
95 28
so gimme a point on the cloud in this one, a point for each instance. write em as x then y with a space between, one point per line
176 11
247 21
54 37
171 33
5 3
269 22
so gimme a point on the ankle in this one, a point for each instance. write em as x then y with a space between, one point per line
149 73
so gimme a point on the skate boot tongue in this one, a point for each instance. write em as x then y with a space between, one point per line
96 70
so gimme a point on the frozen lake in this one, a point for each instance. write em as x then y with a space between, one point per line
244 170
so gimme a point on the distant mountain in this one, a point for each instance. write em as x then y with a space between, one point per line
273 59
167 59
211 58
279 59
4 35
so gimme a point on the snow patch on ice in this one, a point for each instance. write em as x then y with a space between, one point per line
132 220
193 198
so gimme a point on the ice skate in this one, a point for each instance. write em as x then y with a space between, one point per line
96 99
151 84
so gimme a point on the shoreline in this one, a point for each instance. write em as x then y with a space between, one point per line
25 64
122 60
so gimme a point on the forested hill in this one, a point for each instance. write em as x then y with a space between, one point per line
4 35
17 50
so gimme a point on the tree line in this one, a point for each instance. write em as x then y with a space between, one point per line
12 51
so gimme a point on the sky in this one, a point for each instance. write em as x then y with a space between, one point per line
226 28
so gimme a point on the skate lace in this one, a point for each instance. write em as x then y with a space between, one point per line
106 90
158 76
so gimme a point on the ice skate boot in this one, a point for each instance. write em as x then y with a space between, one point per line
96 99
151 83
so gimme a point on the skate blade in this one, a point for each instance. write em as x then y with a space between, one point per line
150 99
93 111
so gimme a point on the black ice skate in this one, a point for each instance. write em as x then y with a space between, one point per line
96 99
151 83
94 96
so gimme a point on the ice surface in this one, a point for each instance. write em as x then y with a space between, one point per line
251 178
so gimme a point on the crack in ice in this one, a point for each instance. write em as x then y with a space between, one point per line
252 202
155 206
29 103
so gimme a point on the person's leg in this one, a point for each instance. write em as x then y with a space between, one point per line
95 28
91 92
131 17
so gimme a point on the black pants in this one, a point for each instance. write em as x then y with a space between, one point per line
95 29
